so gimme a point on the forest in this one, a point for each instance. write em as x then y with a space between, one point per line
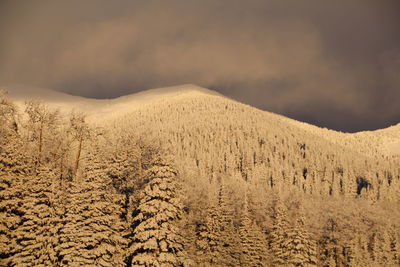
192 179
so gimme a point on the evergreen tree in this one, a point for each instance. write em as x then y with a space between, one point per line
91 231
217 238
379 248
358 255
253 241
278 235
208 238
330 249
300 247
156 238
35 236
13 170
228 236
394 245
11 213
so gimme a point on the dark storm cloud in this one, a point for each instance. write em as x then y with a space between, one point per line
334 63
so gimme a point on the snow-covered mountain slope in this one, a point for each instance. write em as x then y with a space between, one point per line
100 108
385 141
233 161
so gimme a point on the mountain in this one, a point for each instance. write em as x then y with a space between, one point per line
299 194
385 140
99 107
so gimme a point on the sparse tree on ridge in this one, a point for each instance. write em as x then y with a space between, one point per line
40 119
80 132
8 114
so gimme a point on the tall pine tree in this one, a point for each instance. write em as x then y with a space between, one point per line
219 239
36 235
278 235
301 248
252 239
91 226
156 237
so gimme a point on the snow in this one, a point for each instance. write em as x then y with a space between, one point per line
100 108
393 148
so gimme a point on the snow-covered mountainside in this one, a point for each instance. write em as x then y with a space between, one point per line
100 108
230 184
385 141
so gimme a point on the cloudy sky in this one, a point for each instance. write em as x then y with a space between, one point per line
331 63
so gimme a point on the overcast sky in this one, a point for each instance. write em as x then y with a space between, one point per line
331 63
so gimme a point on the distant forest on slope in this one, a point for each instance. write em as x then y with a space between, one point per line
191 180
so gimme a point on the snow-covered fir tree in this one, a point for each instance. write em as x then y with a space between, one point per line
278 234
252 240
36 234
300 247
208 238
14 169
92 228
218 238
330 249
156 238
11 212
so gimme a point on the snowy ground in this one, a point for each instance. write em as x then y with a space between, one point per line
393 148
99 108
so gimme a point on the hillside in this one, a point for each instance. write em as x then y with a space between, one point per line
238 167
98 108
384 141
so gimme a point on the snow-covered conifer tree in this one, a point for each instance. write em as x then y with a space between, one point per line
36 234
13 169
91 231
330 254
218 238
11 201
300 247
156 238
278 235
253 241
207 240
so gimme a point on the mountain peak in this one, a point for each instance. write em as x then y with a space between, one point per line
23 92
171 90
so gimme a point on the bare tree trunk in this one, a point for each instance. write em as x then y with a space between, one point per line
140 166
61 166
38 160
40 142
78 156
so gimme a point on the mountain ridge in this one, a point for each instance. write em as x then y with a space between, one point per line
21 93
385 140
